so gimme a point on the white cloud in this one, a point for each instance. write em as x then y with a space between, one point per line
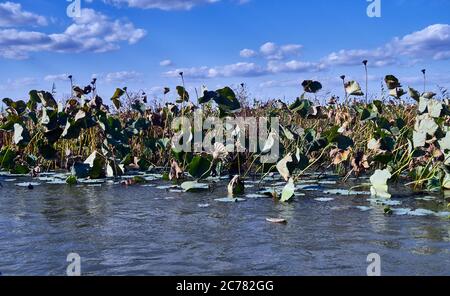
431 42
119 77
165 63
56 77
247 69
272 51
162 4
12 15
92 32
19 83
248 53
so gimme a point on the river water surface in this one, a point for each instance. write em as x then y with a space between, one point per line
150 230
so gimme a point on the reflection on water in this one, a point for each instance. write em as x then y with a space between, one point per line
143 230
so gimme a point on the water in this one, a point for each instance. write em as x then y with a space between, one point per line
141 230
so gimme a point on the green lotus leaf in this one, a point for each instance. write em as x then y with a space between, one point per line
282 166
311 86
435 108
227 101
427 124
392 82
419 139
7 156
194 187
397 92
207 97
183 94
236 186
199 167
97 164
444 143
116 98
414 94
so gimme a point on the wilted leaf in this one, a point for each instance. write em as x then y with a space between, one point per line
379 184
353 88
288 191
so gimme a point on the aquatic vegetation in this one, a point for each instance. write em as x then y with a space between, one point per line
391 139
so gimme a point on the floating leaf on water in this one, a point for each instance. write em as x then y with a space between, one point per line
229 200
426 198
363 208
27 184
385 202
421 212
276 220
166 187
345 192
379 184
288 191
255 196
203 205
324 199
194 187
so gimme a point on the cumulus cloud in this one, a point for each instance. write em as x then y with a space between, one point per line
119 77
56 77
165 63
162 4
12 15
246 69
92 32
19 83
248 53
431 42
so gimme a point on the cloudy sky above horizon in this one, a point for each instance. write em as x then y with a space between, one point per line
269 45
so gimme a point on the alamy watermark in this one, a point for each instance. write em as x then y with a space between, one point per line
250 134
374 268
74 267
374 8
74 8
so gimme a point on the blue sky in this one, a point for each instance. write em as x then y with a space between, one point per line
270 45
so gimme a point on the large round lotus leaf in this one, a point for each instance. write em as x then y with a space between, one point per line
311 86
207 97
419 139
184 95
227 101
435 108
199 167
444 143
7 158
427 125
391 82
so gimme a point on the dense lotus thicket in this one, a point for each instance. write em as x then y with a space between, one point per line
404 137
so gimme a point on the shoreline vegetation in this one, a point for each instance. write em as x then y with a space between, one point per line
402 138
